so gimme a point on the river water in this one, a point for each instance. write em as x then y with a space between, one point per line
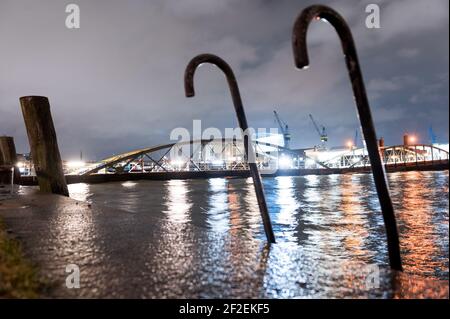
326 227
204 238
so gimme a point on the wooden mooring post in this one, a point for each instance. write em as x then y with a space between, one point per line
43 144
8 161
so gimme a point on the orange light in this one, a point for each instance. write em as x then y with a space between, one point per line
412 139
349 144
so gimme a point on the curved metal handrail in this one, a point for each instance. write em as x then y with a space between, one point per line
240 113
365 116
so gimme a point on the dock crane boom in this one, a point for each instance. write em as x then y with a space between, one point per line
433 138
322 132
284 129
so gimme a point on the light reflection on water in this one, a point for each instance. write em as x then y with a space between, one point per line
322 223
287 205
424 223
218 211
177 201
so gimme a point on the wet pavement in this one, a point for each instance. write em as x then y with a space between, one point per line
126 254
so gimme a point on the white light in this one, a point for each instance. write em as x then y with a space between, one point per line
75 164
177 163
285 162
309 162
217 162
20 164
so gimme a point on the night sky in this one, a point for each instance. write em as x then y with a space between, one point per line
116 83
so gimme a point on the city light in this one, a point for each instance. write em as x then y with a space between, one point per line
412 139
285 162
349 144
178 163
75 164
21 166
217 162
309 163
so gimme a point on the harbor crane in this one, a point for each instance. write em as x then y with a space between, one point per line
321 131
284 129
433 137
355 141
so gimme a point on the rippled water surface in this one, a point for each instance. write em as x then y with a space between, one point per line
324 224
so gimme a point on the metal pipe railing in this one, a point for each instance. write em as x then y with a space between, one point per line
299 45
240 113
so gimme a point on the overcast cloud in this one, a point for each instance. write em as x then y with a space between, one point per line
117 82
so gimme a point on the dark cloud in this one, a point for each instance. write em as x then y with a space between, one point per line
116 83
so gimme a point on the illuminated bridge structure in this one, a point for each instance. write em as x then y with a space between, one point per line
398 155
228 155
193 155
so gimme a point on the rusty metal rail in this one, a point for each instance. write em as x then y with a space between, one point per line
240 113
299 44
